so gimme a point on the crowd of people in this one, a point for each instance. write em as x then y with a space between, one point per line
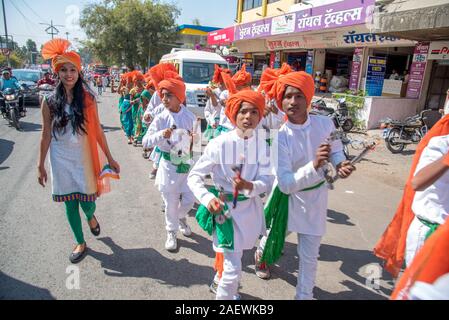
248 197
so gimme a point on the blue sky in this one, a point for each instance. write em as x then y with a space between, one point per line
24 16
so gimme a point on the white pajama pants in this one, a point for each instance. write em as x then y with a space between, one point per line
308 253
177 206
232 272
416 236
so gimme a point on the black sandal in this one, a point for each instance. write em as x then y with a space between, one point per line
77 257
96 231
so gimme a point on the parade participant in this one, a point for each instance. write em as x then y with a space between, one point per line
126 115
141 125
171 178
427 277
300 199
431 202
392 245
80 159
155 107
241 81
232 211
138 82
213 107
99 82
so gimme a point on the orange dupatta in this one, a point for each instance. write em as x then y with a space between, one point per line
391 246
97 146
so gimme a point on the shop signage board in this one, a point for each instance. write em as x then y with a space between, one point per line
439 50
375 76
417 71
357 37
356 69
335 15
283 24
221 37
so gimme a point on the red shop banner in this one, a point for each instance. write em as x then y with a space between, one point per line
221 37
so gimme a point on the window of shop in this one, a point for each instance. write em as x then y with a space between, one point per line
251 4
297 60
260 63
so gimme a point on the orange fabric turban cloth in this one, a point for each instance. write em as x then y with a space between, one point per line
158 72
173 83
57 51
275 81
138 76
242 78
218 79
236 99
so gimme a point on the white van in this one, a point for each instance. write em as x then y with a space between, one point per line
197 69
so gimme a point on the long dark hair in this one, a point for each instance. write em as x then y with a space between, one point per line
58 101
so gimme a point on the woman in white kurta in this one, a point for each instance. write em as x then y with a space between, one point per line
220 157
431 203
212 113
73 134
170 180
303 152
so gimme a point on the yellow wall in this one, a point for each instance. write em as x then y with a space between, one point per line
266 10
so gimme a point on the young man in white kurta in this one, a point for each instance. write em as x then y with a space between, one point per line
432 204
211 111
303 152
218 160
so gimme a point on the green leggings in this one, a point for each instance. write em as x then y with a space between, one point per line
73 215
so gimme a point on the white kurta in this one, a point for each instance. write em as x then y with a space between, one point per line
218 160
273 121
167 179
155 102
295 171
432 204
70 162
211 113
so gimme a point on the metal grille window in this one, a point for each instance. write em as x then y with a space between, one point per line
251 4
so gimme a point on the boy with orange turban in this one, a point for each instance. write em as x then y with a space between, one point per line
171 178
299 202
240 81
232 210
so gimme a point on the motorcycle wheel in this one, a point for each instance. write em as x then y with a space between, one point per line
15 118
394 147
347 125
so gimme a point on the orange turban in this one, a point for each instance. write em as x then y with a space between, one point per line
174 83
236 99
158 71
275 81
242 78
138 76
57 51
218 79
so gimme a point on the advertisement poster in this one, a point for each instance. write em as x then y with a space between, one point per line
417 71
375 76
356 69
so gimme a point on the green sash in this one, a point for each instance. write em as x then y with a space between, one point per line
433 227
181 168
218 222
276 219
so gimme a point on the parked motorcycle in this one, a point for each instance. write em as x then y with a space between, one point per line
399 134
12 112
341 116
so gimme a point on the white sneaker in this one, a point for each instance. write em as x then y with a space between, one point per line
184 227
171 244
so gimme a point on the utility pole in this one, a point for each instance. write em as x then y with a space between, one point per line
6 32
51 29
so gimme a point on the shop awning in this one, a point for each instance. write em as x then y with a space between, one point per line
415 20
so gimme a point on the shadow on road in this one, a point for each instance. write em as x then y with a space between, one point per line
149 263
111 129
30 127
353 264
13 289
338 218
6 148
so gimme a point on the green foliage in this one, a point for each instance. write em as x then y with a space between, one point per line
129 32
355 103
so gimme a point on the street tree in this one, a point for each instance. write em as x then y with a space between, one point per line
129 32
